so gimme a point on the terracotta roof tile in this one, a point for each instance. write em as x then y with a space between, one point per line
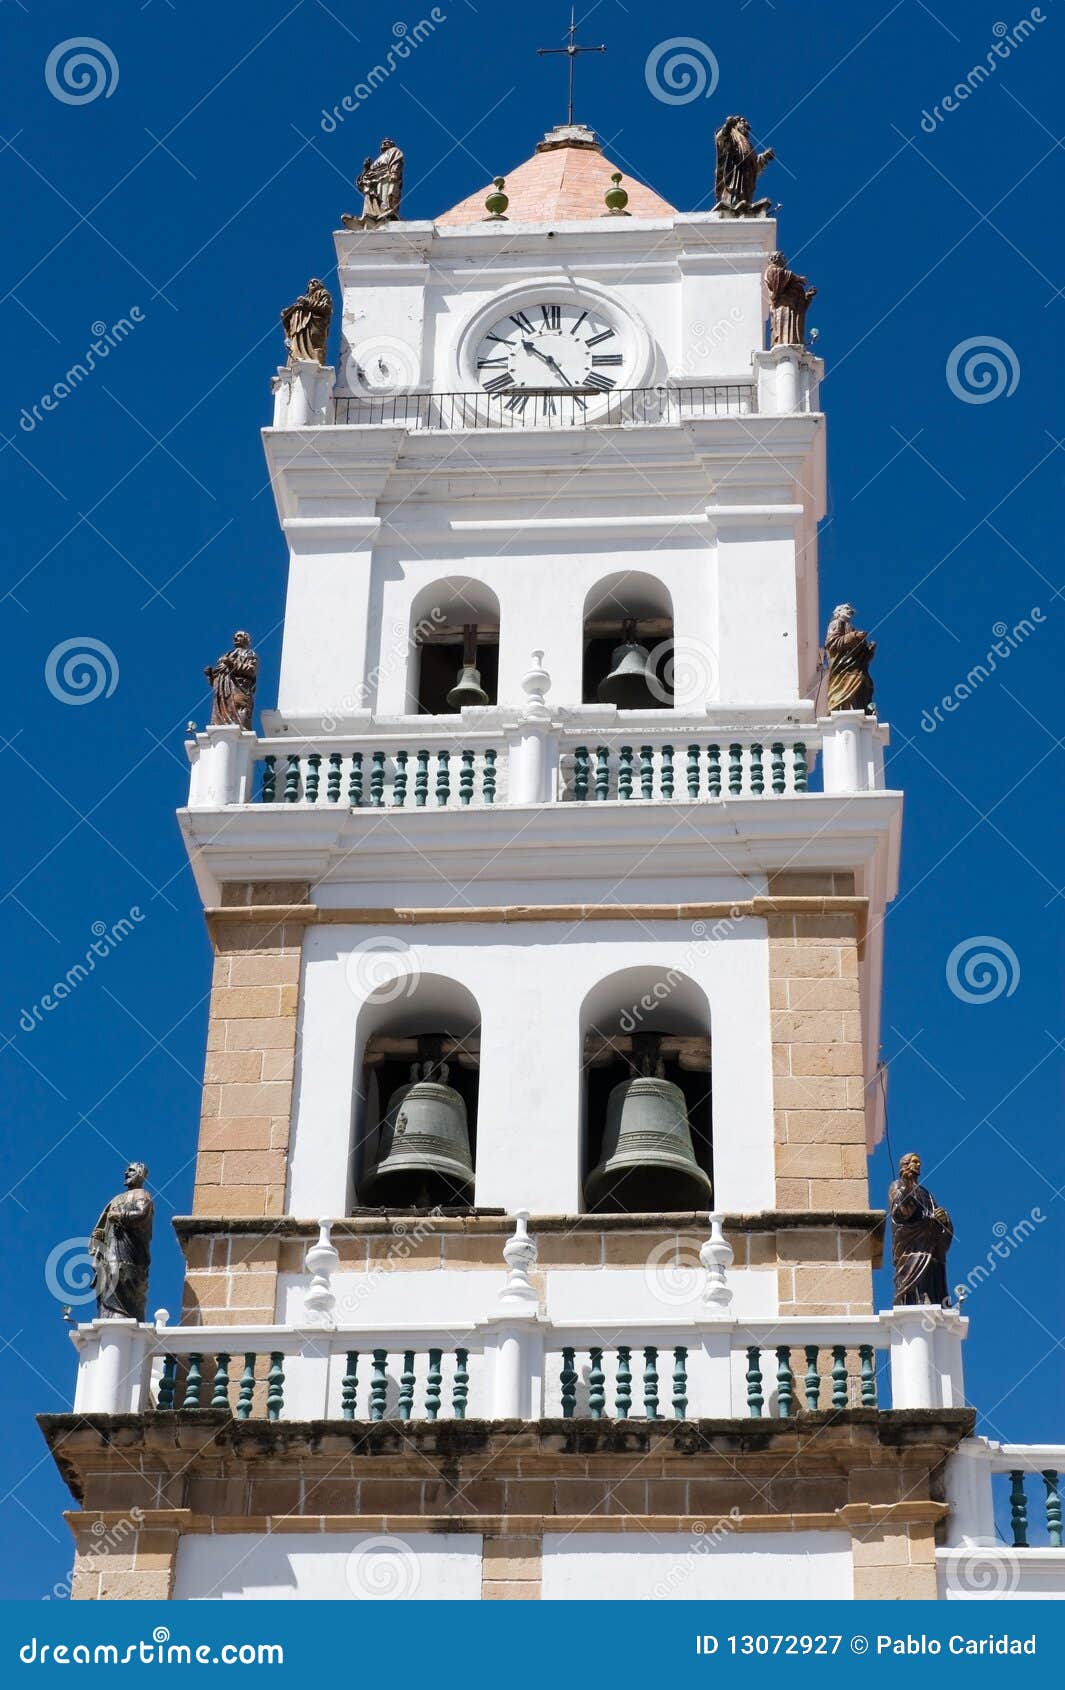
565 179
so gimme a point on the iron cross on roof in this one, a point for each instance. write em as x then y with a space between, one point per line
571 49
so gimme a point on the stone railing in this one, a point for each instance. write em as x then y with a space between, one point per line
1022 1555
439 765
515 1362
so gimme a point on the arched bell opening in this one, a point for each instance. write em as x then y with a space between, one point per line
416 1104
628 644
454 648
647 1095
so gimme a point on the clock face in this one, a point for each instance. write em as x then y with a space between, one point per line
558 348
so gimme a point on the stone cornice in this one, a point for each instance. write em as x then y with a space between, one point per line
314 915
383 1223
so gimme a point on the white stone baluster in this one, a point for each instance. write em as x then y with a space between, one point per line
221 758
302 393
533 749
513 1340
716 1256
321 1260
914 1374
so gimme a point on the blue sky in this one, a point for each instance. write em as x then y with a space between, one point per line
193 200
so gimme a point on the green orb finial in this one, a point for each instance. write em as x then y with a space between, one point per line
497 202
616 198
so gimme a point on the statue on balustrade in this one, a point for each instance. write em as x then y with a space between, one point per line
233 679
849 651
380 181
120 1247
739 165
789 297
921 1235
306 324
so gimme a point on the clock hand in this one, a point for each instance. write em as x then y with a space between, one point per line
530 346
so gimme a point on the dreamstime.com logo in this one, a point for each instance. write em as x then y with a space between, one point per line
383 1569
982 368
81 670
681 70
78 71
983 968
156 1651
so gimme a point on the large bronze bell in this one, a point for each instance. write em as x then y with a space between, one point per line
647 1164
468 689
424 1153
627 684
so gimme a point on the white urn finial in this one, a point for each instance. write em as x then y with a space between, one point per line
716 1256
519 1253
535 684
321 1261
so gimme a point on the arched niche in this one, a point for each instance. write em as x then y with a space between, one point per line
622 607
451 619
414 1023
654 1021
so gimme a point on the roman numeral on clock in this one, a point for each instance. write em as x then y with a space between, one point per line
607 358
499 363
498 383
521 320
597 339
604 383
552 316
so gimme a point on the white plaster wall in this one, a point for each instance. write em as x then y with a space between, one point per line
530 983
324 663
676 1566
333 1567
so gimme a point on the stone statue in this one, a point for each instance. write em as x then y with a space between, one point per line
120 1250
849 651
306 324
233 679
921 1235
739 166
789 297
380 181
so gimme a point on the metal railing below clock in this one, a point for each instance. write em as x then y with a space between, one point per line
534 407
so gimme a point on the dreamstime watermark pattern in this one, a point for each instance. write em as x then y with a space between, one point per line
105 941
398 655
105 1538
1008 1239
980 969
703 1542
406 39
703 938
405 1238
101 347
982 368
384 968
81 670
80 70
1007 640
1006 42
681 70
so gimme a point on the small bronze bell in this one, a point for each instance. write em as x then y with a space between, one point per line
647 1164
424 1154
468 689
627 684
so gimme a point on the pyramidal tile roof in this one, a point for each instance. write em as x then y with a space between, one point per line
565 179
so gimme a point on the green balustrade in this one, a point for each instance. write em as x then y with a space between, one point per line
596 1385
757 778
568 1379
839 1376
602 773
625 772
275 1386
349 1385
735 770
713 770
355 780
801 767
193 1382
246 1394
269 786
332 779
433 1384
650 1382
1050 1480
377 779
647 771
1018 1511
812 1382
421 779
443 777
379 1385
623 1383
406 1386
314 764
220 1388
292 778
460 1386
692 768
466 778
755 1398
581 772
776 752
785 1382
399 780
167 1381
488 777
666 779
867 1361
680 1381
